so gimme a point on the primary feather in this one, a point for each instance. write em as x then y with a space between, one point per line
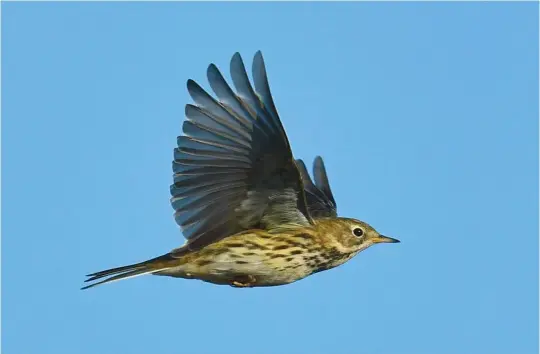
319 197
234 169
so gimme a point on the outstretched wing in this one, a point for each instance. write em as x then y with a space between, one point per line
319 197
233 168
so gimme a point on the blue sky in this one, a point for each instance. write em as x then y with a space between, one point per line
426 115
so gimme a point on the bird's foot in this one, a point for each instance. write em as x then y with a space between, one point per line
244 282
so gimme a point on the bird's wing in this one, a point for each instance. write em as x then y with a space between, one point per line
233 168
320 199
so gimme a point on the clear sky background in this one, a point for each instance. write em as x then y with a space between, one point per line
426 115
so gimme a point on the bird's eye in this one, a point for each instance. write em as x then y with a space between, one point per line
358 232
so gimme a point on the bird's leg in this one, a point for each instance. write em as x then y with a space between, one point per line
244 281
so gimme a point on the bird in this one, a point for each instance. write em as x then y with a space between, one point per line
250 212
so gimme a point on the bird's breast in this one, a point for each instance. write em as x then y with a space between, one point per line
267 259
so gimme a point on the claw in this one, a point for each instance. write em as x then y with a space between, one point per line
249 282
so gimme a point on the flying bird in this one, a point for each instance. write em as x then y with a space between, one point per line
250 212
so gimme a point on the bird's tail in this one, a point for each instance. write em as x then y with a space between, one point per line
148 267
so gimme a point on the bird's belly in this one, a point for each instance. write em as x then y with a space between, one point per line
254 271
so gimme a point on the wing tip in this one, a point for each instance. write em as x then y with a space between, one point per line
212 69
236 56
258 62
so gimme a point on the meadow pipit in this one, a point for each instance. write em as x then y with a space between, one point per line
251 214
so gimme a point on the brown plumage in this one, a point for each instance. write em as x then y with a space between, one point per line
251 214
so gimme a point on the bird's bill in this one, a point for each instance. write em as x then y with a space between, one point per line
385 239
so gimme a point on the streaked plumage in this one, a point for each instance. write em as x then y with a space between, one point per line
251 214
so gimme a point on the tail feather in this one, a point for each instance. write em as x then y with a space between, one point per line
112 271
125 275
151 266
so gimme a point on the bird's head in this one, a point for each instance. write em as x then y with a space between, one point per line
353 236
